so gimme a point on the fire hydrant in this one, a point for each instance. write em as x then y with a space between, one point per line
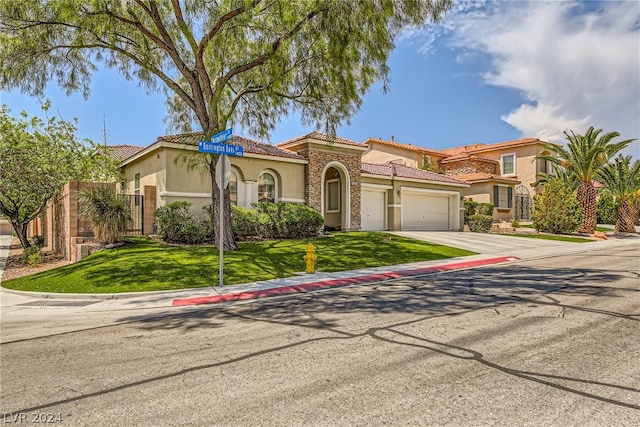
310 259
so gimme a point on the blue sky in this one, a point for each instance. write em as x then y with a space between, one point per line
490 72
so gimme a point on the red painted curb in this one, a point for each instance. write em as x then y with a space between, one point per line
334 283
239 296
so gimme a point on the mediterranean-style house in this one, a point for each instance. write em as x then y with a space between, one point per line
326 172
502 173
375 185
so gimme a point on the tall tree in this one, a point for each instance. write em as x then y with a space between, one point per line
582 158
622 181
36 159
221 63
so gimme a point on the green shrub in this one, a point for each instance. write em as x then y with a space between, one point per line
607 209
515 223
245 223
485 209
480 223
31 256
469 209
177 224
275 221
38 241
556 209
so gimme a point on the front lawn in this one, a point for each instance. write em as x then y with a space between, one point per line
603 229
554 237
146 265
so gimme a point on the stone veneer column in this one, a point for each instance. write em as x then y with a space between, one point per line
313 175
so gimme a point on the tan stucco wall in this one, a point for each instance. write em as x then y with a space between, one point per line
394 198
380 153
165 169
526 165
483 193
151 168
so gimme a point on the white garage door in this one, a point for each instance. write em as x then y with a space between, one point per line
372 210
424 212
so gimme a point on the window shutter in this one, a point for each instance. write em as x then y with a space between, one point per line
496 196
510 197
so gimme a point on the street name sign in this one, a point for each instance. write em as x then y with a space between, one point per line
215 148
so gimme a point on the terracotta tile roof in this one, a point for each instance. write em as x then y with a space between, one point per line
465 156
124 151
480 147
402 171
481 176
377 169
249 145
409 147
321 136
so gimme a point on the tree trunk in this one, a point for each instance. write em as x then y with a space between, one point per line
627 214
586 196
229 243
21 232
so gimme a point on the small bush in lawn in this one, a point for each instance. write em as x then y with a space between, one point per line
469 209
515 223
31 256
485 209
606 209
480 223
177 224
556 209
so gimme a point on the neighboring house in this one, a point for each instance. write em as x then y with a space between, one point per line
323 171
503 173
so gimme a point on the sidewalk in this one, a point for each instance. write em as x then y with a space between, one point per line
278 287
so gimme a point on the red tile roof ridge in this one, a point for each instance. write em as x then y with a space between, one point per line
405 146
470 156
321 136
478 147
485 176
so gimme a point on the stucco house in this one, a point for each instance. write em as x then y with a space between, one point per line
326 172
502 173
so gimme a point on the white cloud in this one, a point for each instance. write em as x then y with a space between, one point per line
576 63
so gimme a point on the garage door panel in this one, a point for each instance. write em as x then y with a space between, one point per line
372 210
425 212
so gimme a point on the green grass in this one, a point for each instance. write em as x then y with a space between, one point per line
603 229
554 237
143 264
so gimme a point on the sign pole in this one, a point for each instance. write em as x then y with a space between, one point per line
221 223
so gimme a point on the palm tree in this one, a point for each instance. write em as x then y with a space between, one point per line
583 157
622 181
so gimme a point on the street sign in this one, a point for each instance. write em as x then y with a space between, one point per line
215 148
223 136
223 171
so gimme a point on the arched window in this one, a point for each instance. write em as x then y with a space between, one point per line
233 188
266 188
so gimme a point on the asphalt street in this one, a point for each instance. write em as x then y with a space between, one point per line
550 341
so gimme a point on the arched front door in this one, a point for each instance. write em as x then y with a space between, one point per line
336 204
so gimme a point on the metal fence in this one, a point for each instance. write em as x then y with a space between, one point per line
137 214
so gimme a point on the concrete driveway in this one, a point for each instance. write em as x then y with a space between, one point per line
485 243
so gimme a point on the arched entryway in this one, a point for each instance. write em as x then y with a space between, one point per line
336 197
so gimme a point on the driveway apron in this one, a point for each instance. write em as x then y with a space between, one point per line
484 243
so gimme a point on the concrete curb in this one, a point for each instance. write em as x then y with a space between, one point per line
335 283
